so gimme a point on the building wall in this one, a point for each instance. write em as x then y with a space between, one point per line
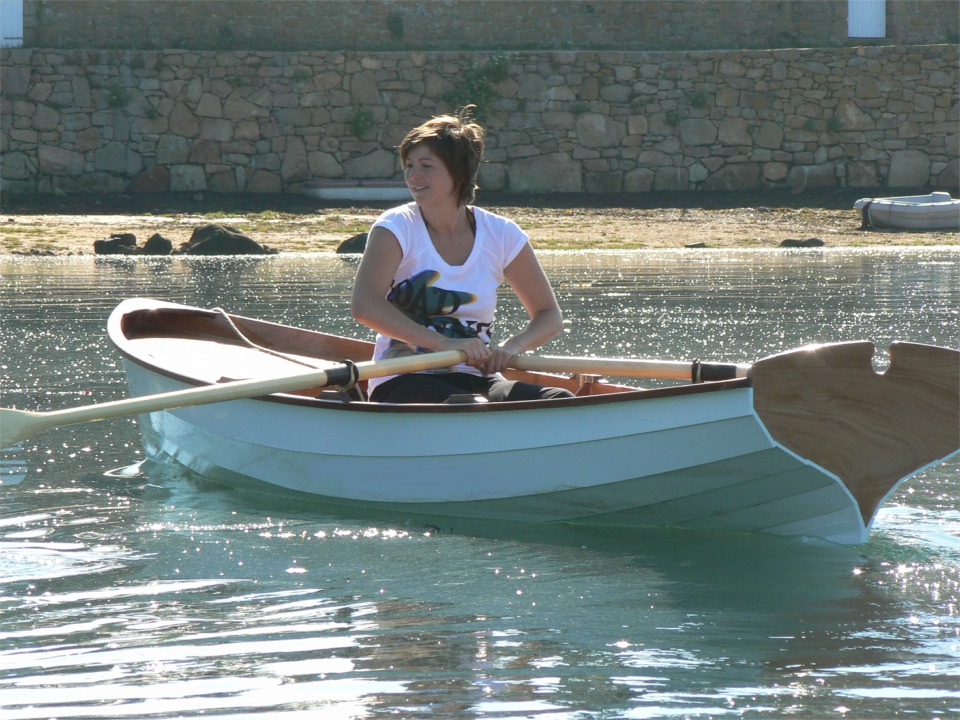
456 25
261 121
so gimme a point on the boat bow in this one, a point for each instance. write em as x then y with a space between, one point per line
871 430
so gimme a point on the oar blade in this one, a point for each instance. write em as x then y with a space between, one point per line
18 425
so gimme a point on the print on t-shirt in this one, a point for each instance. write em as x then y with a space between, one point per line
431 306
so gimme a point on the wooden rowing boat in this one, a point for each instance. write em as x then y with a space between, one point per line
810 443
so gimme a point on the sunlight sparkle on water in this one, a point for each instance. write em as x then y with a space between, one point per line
145 593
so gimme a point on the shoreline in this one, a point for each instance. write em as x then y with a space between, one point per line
69 225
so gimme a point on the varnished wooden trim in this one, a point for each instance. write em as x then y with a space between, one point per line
872 430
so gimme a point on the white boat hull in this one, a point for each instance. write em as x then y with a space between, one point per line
936 211
657 466
359 191
810 443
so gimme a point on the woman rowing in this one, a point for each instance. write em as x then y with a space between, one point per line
430 272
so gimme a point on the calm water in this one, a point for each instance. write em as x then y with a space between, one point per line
127 592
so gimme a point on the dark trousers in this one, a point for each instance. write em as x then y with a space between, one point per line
438 387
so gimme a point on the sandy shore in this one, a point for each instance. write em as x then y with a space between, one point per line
70 225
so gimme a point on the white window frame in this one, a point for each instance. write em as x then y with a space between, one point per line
867 18
11 23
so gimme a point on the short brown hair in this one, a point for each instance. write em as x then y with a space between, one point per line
458 141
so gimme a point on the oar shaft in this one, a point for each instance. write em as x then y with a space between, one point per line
623 367
17 425
239 389
187 398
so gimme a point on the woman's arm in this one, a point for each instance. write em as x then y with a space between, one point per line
532 287
369 303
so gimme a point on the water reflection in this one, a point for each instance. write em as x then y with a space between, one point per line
232 603
125 593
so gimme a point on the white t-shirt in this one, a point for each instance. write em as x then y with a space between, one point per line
457 300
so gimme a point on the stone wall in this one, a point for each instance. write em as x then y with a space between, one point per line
457 25
246 121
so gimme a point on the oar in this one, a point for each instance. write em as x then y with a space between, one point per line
694 371
17 425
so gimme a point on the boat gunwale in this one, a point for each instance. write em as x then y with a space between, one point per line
121 341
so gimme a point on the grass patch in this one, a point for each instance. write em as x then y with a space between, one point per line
345 225
20 231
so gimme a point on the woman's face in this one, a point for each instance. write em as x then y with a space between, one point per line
427 176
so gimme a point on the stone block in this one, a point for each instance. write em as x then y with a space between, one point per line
728 97
637 125
492 177
698 132
655 158
729 68
770 136
363 88
862 174
93 183
376 165
58 161
155 179
734 131
294 167
734 176
81 92
852 117
697 173
209 106
603 182
14 80
246 130
187 178
118 158
949 178
617 94
203 152
666 179
942 79
531 86
238 108
17 166
172 150
548 173
951 145
183 122
224 182
87 139
264 181
868 87
324 165
754 100
909 168
638 180
807 177
589 89
216 129
45 118
775 171
595 130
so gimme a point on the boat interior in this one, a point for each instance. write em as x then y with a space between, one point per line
212 346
